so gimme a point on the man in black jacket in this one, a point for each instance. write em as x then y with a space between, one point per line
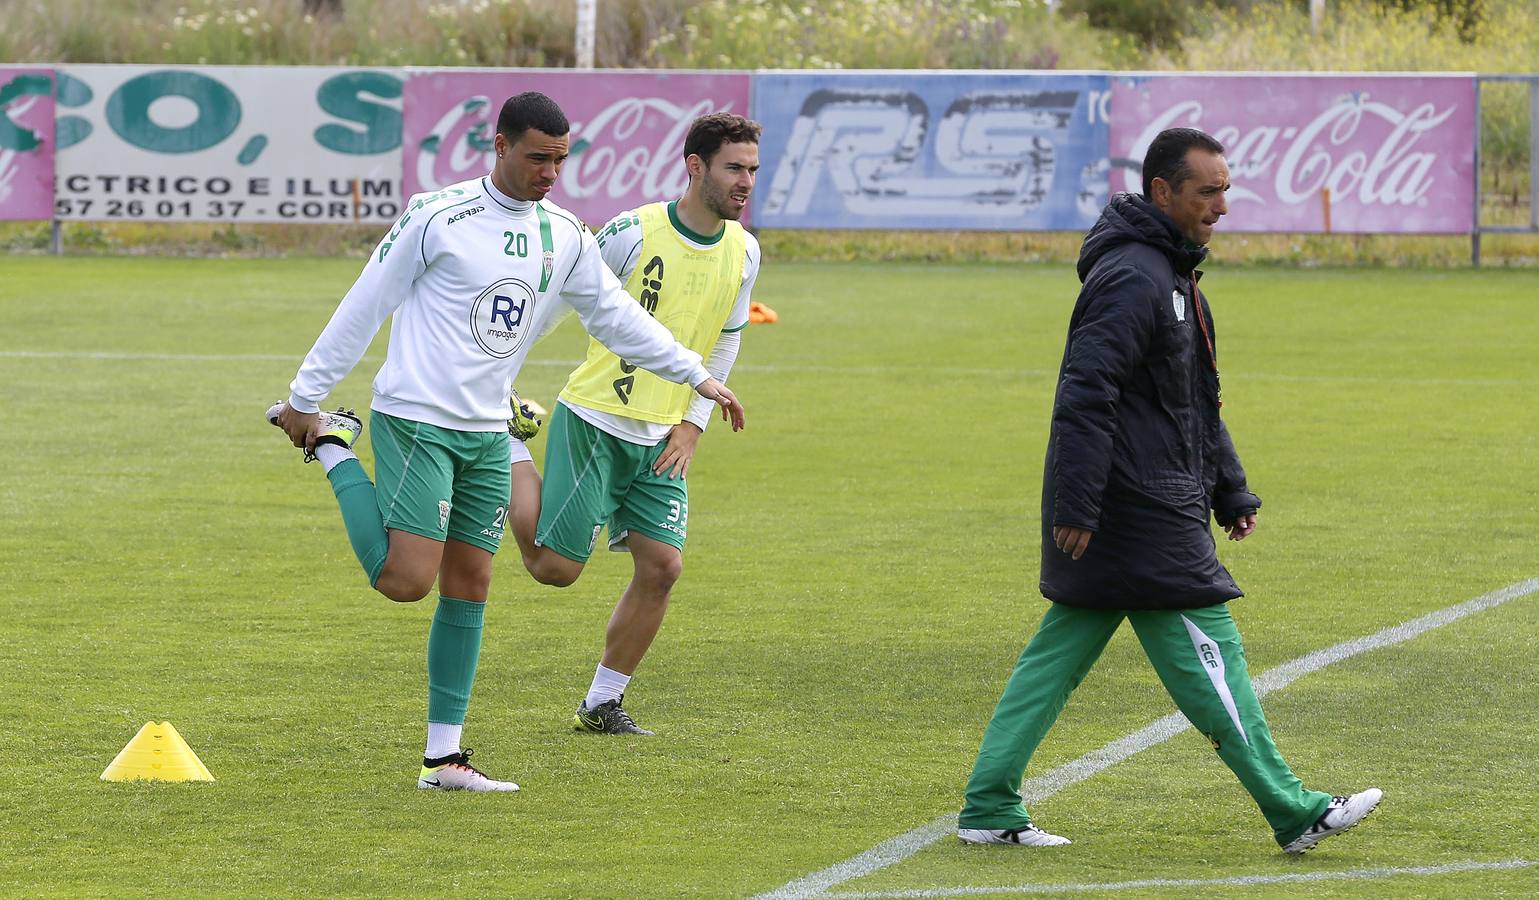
1136 460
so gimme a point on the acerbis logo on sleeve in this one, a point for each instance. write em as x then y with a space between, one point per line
501 317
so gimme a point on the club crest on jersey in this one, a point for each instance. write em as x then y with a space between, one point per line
443 514
1178 303
502 316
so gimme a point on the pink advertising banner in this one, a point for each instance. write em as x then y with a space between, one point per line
26 143
1314 153
627 134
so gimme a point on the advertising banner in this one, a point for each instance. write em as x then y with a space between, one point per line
228 143
627 138
26 143
1314 153
928 150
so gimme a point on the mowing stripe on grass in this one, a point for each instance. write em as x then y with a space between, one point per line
209 357
1046 785
997 372
1237 881
959 371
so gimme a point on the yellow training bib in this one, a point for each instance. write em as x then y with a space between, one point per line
691 290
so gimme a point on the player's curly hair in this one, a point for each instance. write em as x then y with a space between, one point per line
708 133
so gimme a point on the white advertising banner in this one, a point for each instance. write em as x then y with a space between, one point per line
228 144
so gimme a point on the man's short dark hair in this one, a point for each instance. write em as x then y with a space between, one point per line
1167 156
531 109
708 133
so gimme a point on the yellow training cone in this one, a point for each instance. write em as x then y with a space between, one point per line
157 753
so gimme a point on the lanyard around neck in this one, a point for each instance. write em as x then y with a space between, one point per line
1207 336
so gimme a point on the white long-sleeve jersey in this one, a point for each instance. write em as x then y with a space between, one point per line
468 276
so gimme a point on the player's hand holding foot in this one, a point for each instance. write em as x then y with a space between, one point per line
300 427
680 450
731 409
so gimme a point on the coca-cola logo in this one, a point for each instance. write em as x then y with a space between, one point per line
23 107
9 167
630 150
1340 149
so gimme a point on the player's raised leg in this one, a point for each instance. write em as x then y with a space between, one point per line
524 504
525 419
399 564
556 520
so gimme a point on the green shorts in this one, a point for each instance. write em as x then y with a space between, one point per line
593 478
441 483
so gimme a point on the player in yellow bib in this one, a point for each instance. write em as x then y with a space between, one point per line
621 439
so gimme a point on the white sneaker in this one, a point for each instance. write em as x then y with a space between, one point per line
455 773
1030 836
1343 813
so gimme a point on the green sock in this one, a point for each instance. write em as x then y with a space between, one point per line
454 646
360 515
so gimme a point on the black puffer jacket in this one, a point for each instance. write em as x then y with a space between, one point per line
1138 454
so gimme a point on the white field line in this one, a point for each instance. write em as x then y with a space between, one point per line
775 368
1236 881
1049 783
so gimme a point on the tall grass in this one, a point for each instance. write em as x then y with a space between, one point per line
1359 35
887 34
368 33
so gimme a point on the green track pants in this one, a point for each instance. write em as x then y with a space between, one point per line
1199 658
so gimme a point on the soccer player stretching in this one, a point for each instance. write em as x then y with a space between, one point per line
473 274
621 440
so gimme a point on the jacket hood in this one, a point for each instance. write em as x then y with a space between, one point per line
1130 219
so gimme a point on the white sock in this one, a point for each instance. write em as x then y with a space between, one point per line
607 685
332 454
443 739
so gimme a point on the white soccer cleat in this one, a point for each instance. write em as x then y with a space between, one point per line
1030 836
1343 813
455 773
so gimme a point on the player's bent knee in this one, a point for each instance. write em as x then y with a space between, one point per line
402 593
403 588
552 569
554 577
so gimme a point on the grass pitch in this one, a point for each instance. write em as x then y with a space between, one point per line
860 578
